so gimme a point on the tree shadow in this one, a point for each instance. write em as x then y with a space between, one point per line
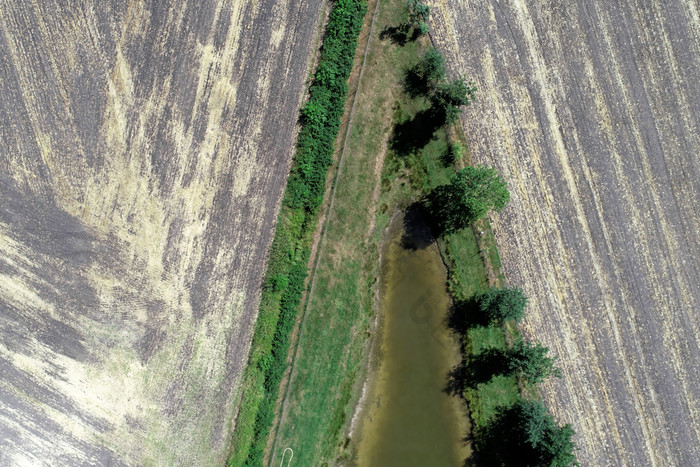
501 431
401 34
479 369
414 134
437 205
456 380
448 158
484 366
416 230
464 315
397 34
414 84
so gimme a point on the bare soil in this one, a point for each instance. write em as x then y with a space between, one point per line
144 149
590 111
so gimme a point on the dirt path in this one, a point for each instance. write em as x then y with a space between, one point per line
590 111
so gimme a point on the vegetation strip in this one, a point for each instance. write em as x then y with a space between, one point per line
421 157
324 392
287 267
325 227
497 360
500 370
420 164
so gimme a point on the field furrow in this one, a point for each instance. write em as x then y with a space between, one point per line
144 148
590 110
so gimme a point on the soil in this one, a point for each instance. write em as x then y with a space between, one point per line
589 109
143 153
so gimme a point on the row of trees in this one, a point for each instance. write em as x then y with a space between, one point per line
531 434
523 434
530 361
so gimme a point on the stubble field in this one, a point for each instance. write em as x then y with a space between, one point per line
144 149
589 109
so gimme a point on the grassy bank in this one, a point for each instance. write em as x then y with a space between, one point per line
289 256
389 163
329 367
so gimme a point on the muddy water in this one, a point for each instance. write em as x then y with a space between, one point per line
409 419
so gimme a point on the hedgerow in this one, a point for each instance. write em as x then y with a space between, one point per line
287 267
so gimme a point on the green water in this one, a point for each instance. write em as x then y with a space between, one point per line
409 420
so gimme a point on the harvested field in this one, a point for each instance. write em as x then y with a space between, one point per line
143 153
590 111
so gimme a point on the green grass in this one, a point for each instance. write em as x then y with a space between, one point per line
467 279
487 398
484 338
461 252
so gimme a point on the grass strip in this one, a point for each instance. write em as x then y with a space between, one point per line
287 267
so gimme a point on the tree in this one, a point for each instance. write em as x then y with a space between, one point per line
471 193
532 362
426 74
503 304
531 435
450 96
418 14
431 68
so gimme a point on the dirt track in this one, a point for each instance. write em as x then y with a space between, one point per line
143 153
590 110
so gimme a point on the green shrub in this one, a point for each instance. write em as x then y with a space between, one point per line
471 193
503 304
532 362
526 435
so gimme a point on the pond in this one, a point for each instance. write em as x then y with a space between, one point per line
409 418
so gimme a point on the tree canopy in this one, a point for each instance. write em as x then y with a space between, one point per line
532 362
531 437
471 193
503 304
418 14
450 96
431 68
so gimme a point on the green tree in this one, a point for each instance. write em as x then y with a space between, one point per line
418 14
450 96
532 362
431 68
422 79
549 444
503 304
532 437
471 193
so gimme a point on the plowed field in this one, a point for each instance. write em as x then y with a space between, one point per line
144 148
590 110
